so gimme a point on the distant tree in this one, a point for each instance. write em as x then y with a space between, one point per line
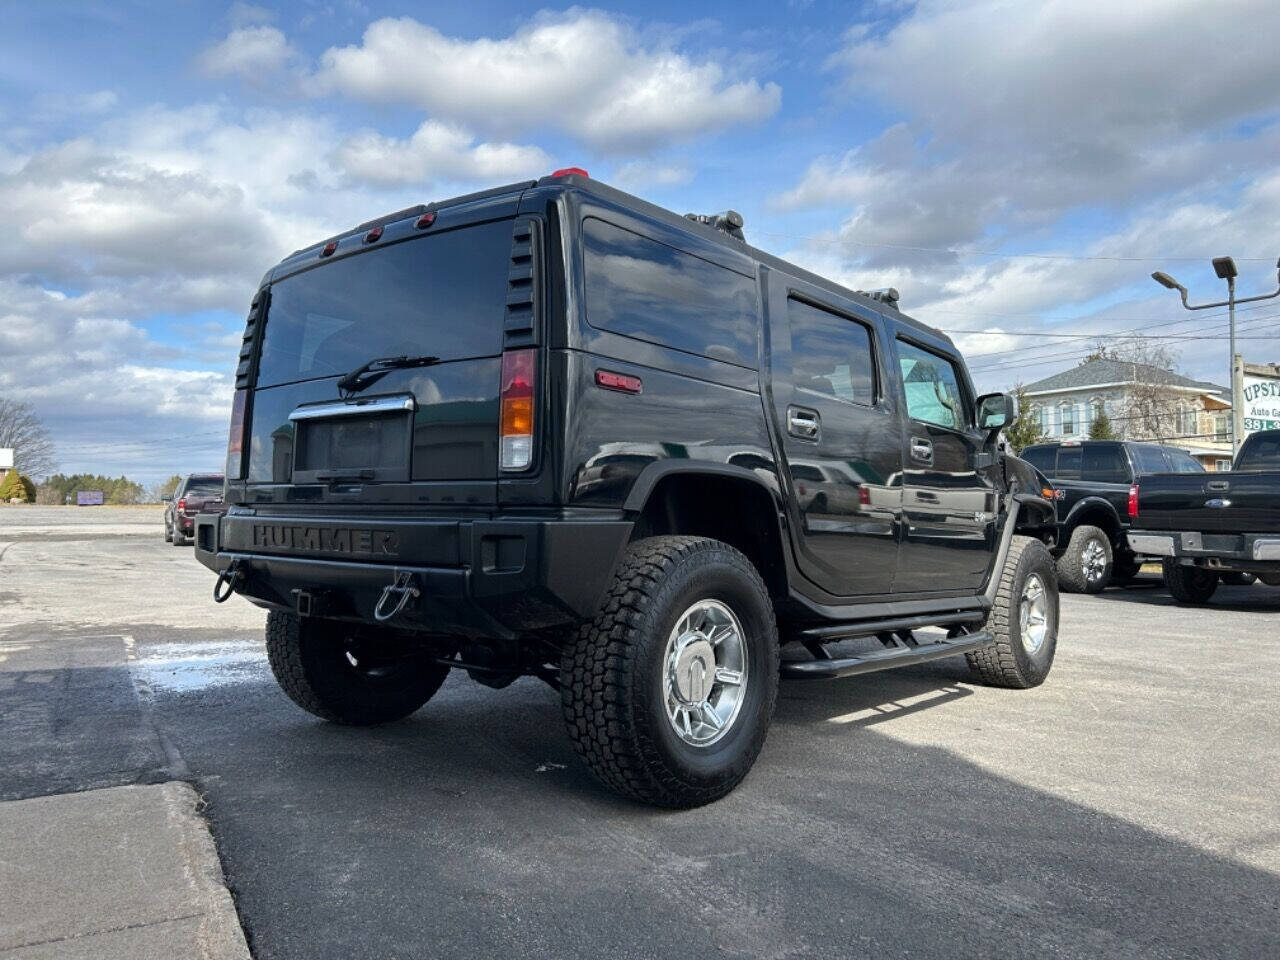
63 489
1101 428
1149 408
161 489
1026 429
22 430
1099 352
15 486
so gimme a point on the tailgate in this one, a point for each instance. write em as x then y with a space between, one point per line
1224 502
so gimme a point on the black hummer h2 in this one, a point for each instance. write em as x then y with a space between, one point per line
553 430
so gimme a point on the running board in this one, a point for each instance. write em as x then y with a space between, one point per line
884 659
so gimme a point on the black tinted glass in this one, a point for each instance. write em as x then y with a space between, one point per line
647 290
1069 459
1105 464
1149 459
204 488
831 355
1042 458
1260 452
443 295
1182 462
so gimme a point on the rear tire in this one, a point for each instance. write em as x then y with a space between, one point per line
168 532
1023 620
1191 585
177 538
632 705
348 673
1085 566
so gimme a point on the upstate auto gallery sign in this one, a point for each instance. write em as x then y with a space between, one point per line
1261 397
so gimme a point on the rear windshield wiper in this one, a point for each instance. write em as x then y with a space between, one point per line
373 370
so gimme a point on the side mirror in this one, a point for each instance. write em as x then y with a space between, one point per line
997 411
165 498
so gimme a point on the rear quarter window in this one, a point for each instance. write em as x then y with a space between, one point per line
1104 464
1149 459
650 291
1042 458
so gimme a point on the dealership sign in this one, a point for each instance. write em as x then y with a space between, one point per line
1261 394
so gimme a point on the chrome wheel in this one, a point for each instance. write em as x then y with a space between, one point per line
704 673
1093 560
1033 614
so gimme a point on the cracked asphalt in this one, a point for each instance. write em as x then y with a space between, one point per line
1128 808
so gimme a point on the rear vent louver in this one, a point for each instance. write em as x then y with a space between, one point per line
252 327
521 327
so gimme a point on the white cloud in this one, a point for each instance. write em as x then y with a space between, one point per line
436 152
638 174
583 72
253 53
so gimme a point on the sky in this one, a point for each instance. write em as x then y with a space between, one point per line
1016 169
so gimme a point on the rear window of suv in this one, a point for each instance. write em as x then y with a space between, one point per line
441 295
650 291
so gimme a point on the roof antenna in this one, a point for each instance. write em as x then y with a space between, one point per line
730 222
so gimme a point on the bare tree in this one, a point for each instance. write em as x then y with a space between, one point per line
1149 410
22 430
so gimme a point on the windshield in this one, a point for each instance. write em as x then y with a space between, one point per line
440 294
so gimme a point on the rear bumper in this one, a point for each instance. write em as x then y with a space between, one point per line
484 578
1231 551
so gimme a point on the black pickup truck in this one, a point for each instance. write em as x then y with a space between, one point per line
1095 482
553 430
1214 525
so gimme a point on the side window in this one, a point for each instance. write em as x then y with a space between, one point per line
932 388
830 354
653 292
1041 458
1068 463
1104 464
1182 462
1150 459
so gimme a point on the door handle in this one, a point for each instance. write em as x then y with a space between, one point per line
922 450
1222 485
802 422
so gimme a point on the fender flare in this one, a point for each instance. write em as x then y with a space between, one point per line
1072 519
658 471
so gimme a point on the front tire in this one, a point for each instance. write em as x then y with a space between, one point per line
348 673
668 693
1191 585
1023 620
1085 566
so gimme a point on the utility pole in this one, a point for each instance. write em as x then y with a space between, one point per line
1225 268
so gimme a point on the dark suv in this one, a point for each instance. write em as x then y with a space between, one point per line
197 493
1096 489
553 430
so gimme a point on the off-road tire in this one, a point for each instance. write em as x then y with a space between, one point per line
1189 585
1125 568
611 674
177 538
1071 575
308 656
1007 662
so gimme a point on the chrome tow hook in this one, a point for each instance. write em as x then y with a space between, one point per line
404 588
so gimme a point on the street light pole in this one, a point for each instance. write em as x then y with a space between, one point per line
1225 268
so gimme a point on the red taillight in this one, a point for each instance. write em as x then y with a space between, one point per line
864 495
1133 501
570 172
519 376
618 381
182 504
235 437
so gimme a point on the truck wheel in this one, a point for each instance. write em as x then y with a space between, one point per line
348 673
1124 568
1189 584
177 539
1024 620
669 691
1085 566
168 532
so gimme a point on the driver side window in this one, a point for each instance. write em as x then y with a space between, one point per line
932 388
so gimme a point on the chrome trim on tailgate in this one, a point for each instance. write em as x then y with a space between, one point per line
1156 546
346 408
1266 549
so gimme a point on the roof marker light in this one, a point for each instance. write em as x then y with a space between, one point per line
329 248
570 172
426 220
373 236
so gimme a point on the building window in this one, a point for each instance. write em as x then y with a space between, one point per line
1222 465
1186 419
1067 418
1220 427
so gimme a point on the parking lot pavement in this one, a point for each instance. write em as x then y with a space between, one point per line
1127 808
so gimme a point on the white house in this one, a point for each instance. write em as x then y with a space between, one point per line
1067 403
